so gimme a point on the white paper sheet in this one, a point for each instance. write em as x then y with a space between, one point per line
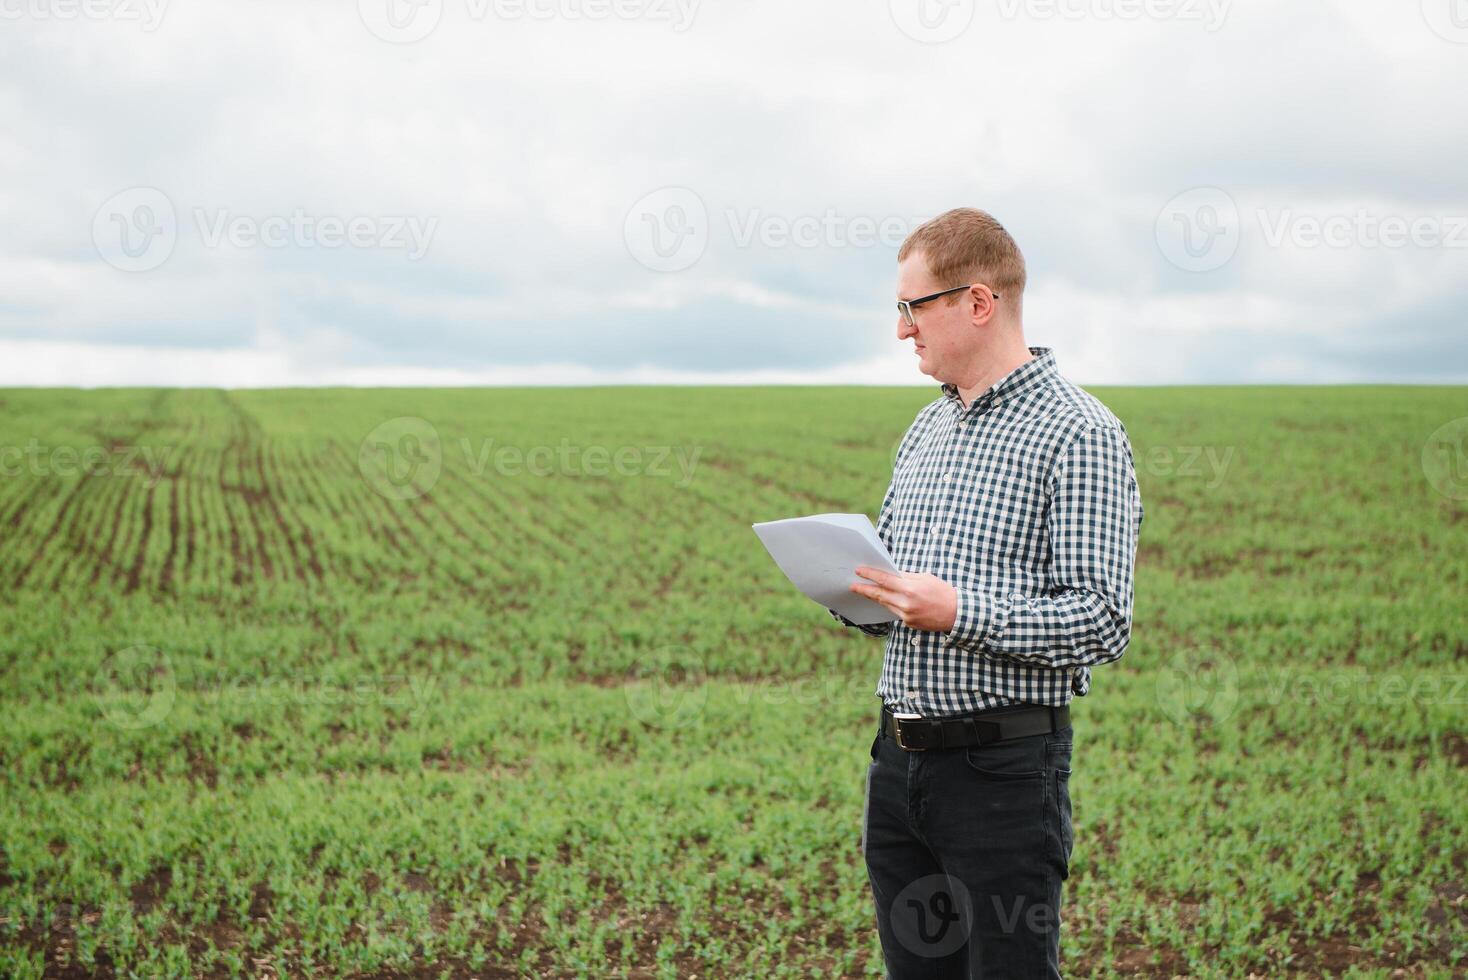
819 554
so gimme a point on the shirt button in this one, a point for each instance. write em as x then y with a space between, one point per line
937 529
912 695
914 641
947 477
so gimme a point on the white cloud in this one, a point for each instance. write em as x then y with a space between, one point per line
527 139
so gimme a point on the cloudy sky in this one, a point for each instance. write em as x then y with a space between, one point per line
608 191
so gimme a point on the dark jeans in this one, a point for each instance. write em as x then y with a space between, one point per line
966 849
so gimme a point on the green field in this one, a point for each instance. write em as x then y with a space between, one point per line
500 683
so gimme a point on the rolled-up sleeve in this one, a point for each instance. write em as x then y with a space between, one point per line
1084 617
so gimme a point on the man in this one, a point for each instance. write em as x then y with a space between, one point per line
1014 513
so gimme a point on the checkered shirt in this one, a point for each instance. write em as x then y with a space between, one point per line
1025 502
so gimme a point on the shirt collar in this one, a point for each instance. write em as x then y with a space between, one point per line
1036 371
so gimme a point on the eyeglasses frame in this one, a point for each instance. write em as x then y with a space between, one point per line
904 306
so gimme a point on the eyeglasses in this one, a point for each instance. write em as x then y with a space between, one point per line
904 306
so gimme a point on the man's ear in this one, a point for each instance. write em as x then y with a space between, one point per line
994 308
974 313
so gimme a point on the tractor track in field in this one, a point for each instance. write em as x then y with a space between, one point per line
65 524
308 547
300 563
247 448
255 558
23 505
314 493
135 573
427 534
104 556
45 540
431 534
175 526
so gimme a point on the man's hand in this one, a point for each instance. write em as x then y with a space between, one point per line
920 600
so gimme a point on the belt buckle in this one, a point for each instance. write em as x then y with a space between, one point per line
897 718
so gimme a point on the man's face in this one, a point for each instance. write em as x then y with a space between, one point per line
944 328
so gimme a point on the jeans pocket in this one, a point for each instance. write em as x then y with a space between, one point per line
1058 815
1010 759
1064 826
1006 793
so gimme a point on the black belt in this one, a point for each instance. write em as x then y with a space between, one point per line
915 734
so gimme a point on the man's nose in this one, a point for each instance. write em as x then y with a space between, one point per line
903 330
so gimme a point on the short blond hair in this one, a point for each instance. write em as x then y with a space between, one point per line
965 246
